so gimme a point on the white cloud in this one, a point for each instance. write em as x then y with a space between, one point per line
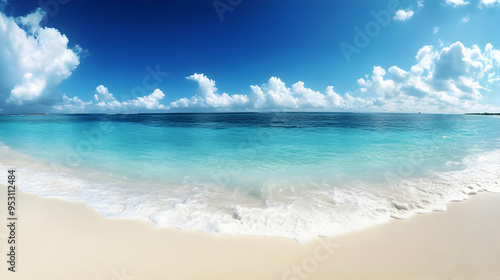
276 95
103 95
105 99
450 79
31 22
73 104
148 102
436 29
273 95
465 19
493 54
489 2
493 78
446 80
457 3
420 3
403 15
377 85
33 60
207 96
105 102
440 42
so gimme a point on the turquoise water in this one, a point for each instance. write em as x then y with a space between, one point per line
297 175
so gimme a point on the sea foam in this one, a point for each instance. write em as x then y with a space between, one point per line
302 212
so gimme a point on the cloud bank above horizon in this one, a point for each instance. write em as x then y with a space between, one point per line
448 79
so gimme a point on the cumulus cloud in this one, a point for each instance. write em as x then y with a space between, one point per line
465 19
272 95
276 95
71 105
403 15
207 96
106 102
489 2
450 79
34 60
103 95
456 3
148 102
436 29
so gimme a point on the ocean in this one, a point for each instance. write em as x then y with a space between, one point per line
294 175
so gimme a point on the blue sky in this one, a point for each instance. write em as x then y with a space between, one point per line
239 55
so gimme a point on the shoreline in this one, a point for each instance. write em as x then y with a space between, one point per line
430 196
68 240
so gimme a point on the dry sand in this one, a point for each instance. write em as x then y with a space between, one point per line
64 240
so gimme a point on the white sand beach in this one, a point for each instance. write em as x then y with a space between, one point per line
64 240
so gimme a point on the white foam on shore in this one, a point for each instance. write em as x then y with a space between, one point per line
300 213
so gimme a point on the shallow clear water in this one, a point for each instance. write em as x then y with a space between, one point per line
297 175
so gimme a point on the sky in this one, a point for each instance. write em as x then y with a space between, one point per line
85 56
